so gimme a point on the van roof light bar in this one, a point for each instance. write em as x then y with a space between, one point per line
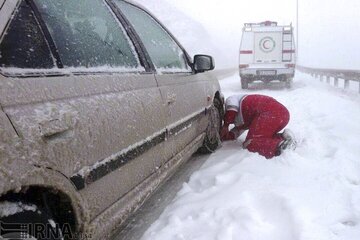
260 24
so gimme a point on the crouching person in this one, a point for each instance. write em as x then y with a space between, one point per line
264 117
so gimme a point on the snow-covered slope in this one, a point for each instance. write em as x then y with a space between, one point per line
310 193
190 33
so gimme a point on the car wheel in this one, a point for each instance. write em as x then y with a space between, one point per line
25 221
212 138
244 83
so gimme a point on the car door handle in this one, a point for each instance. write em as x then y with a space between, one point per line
171 98
53 127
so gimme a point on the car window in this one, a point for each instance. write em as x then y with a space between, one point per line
23 44
163 50
87 34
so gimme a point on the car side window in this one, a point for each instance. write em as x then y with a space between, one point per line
164 52
23 44
87 34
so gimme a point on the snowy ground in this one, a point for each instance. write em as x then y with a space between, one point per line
310 193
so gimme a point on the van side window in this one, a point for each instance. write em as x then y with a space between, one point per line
164 52
23 44
87 34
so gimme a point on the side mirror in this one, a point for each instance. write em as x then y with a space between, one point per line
203 63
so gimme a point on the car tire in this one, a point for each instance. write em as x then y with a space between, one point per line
288 82
21 224
212 138
244 83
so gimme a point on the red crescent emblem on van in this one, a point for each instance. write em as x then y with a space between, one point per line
267 44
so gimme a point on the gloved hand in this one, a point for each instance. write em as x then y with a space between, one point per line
228 137
225 135
224 131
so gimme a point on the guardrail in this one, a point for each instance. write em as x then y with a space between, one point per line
335 74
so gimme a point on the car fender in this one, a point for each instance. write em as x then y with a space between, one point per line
30 175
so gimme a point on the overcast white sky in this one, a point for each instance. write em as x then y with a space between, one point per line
329 33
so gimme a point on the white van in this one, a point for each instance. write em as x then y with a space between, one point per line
267 53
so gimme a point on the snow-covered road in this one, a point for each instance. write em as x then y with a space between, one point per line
311 193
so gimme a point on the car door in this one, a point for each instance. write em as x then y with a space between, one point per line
185 94
81 97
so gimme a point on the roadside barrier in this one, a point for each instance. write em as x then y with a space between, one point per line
333 75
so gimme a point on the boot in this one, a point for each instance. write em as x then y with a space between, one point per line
289 142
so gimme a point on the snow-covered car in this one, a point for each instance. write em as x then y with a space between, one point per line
267 53
99 104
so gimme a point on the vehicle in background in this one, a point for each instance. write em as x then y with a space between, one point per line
99 104
267 53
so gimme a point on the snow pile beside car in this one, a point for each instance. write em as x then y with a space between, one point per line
311 193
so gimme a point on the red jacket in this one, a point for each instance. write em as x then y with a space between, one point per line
250 107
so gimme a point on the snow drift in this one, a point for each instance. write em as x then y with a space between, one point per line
310 193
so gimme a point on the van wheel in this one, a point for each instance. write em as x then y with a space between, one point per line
212 138
288 82
244 83
26 221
